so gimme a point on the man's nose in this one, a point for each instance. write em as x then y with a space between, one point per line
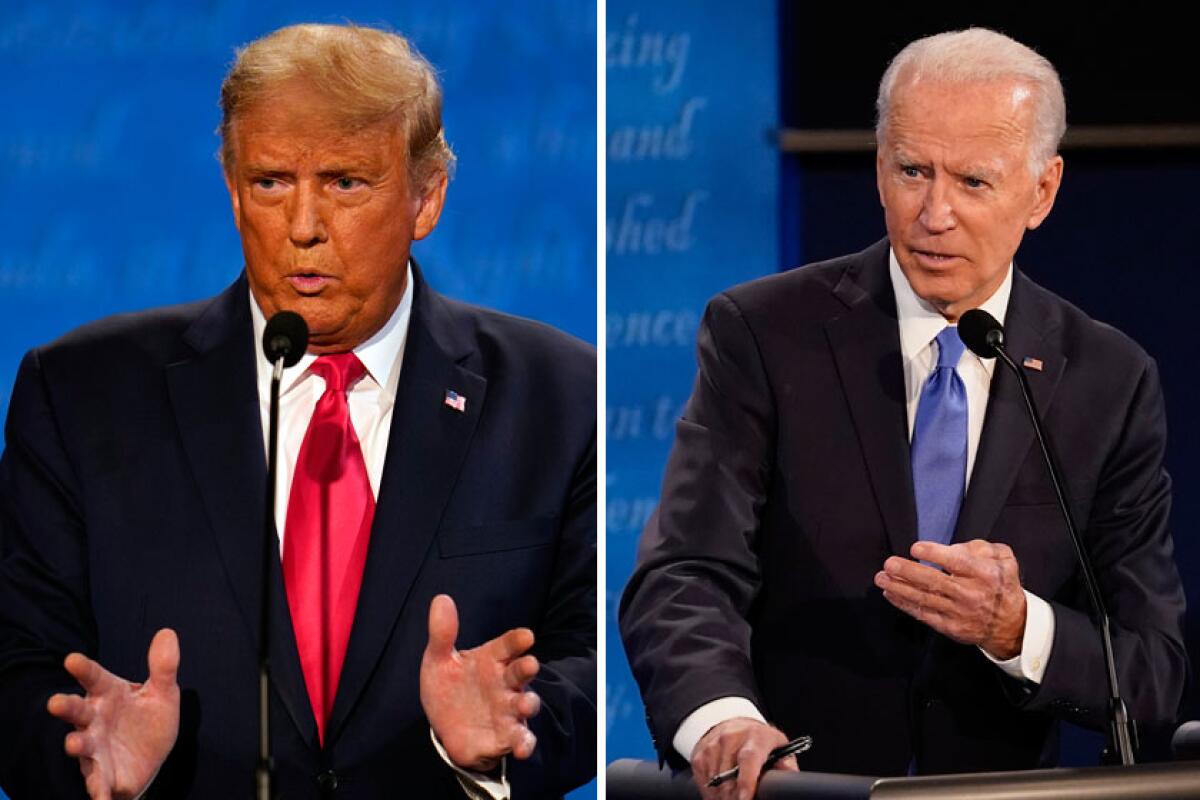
306 226
937 211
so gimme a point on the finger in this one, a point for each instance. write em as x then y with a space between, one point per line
443 627
956 559
79 745
163 660
71 708
527 705
97 786
922 575
91 676
915 594
523 743
930 617
520 672
750 759
510 644
788 764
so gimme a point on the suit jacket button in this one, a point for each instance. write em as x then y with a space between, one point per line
327 781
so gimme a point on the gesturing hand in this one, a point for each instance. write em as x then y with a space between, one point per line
123 731
740 742
977 600
476 700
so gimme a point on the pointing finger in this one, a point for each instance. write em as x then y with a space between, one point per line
957 559
91 676
510 644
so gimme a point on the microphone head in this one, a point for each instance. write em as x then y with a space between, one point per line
286 335
981 333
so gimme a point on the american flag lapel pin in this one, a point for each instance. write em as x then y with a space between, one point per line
456 401
1032 363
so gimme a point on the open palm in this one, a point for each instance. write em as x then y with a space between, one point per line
476 700
123 731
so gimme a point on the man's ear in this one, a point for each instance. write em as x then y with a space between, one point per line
1047 190
235 201
431 203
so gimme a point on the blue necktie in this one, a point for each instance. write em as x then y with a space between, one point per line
939 444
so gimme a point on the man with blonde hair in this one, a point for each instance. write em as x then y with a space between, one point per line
857 539
432 608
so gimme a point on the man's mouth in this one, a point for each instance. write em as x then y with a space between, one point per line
308 282
933 257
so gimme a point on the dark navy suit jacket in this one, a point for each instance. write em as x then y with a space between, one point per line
789 485
132 495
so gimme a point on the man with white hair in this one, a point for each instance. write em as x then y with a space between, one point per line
431 628
857 539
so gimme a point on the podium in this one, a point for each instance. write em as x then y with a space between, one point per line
630 779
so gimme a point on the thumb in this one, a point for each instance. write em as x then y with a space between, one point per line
443 627
163 659
787 764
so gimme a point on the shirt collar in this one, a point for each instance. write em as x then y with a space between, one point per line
920 322
381 354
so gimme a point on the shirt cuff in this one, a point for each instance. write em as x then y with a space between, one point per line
476 785
1030 664
704 718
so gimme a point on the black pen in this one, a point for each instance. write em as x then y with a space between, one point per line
794 747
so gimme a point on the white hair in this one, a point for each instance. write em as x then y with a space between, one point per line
977 55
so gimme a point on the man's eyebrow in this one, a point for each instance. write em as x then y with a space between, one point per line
266 169
978 170
345 169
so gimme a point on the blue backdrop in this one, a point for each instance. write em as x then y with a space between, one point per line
691 209
112 198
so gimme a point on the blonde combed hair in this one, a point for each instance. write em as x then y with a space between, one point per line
370 75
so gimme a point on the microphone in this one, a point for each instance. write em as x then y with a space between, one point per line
984 336
284 342
286 336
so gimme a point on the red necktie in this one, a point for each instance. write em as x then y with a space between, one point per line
325 538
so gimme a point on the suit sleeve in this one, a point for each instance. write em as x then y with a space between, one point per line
684 613
1127 536
44 609
565 646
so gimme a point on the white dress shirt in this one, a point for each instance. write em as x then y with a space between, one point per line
919 324
371 401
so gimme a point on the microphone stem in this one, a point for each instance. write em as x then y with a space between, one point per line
263 773
1119 722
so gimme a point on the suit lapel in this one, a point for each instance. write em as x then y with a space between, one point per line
427 444
866 347
215 399
1031 330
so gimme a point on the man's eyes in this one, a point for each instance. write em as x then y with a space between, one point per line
346 184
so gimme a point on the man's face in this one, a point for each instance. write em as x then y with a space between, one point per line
326 215
956 189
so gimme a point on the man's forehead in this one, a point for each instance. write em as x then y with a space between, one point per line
1009 94
271 138
984 112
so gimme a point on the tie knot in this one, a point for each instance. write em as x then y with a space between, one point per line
950 347
339 370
